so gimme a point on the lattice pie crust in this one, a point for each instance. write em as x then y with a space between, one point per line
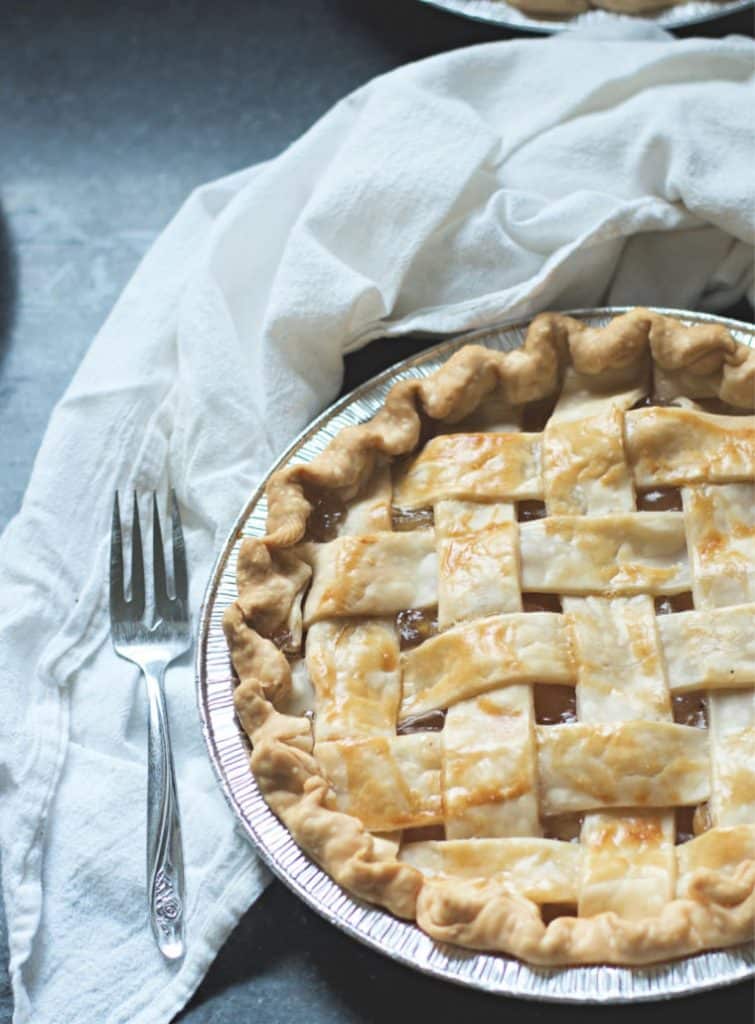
570 525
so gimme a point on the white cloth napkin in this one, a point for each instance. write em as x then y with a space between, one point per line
499 180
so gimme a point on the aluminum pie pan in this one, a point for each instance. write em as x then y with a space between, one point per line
228 749
498 12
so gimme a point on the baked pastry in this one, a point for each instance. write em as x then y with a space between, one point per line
496 654
570 8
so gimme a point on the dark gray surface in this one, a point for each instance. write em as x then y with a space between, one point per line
110 115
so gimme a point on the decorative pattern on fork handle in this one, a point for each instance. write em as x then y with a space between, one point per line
166 901
165 869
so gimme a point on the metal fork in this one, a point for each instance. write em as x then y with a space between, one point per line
153 648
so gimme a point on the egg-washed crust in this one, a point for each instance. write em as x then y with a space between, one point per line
699 361
570 8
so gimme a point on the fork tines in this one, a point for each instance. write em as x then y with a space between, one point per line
167 607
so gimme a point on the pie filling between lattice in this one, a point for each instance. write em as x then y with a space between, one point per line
496 654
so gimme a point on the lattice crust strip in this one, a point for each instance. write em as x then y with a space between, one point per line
489 770
526 560
579 767
476 657
721 536
548 871
538 647
620 671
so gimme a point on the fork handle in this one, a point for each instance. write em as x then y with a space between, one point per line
165 867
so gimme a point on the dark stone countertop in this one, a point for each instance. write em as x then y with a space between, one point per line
111 114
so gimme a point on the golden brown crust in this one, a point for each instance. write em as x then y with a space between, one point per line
552 8
482 915
526 374
718 907
568 8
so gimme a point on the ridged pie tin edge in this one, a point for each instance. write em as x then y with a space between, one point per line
498 12
228 750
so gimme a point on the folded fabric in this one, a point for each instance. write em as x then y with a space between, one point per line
449 194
